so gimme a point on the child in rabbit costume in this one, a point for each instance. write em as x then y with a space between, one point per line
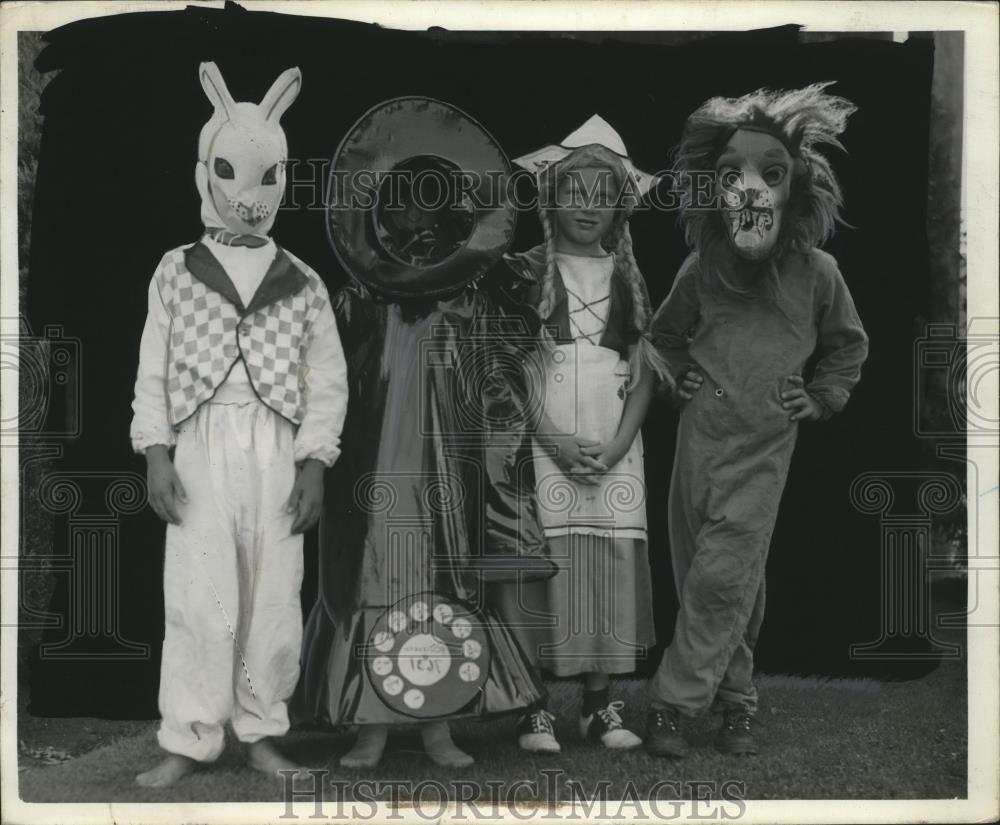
241 371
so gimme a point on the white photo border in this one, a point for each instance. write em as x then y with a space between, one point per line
978 21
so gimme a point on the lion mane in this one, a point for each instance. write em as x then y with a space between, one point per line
803 120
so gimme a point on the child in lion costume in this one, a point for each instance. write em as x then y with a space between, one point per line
751 304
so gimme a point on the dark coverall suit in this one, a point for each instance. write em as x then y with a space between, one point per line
734 446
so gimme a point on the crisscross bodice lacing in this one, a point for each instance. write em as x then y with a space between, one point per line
587 331
587 282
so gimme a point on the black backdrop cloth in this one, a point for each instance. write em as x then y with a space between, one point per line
115 188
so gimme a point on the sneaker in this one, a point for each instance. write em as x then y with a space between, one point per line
663 734
535 733
605 726
736 734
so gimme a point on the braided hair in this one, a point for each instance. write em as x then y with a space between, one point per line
617 241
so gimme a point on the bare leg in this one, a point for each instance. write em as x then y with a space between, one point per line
263 756
440 748
168 771
368 748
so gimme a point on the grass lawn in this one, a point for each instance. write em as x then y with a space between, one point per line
821 739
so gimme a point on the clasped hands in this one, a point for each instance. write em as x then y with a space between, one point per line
584 460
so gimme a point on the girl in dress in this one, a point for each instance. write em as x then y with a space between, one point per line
596 374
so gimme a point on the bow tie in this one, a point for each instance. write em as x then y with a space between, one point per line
227 238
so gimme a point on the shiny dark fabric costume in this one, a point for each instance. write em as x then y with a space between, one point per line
427 487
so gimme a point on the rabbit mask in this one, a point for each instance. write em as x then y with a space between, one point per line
241 155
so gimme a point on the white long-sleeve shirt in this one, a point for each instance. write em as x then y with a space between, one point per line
324 373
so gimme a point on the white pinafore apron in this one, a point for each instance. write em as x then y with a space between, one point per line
595 614
585 392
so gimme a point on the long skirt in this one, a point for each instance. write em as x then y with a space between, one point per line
595 614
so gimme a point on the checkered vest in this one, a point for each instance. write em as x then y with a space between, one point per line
210 330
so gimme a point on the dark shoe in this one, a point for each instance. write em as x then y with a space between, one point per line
605 725
736 734
663 734
536 734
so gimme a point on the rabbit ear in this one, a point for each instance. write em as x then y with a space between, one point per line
215 88
282 94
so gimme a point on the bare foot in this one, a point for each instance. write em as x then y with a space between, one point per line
264 757
172 768
368 748
440 748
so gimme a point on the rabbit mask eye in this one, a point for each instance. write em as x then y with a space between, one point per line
224 169
270 176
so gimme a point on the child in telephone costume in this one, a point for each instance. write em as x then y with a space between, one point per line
425 503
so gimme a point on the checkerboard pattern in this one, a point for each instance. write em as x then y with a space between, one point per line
207 335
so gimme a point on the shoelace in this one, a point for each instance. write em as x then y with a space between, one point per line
611 714
541 722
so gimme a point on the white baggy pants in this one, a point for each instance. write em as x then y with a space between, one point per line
232 576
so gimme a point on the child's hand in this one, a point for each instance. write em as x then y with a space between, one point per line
574 462
164 485
608 454
306 499
806 407
688 383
